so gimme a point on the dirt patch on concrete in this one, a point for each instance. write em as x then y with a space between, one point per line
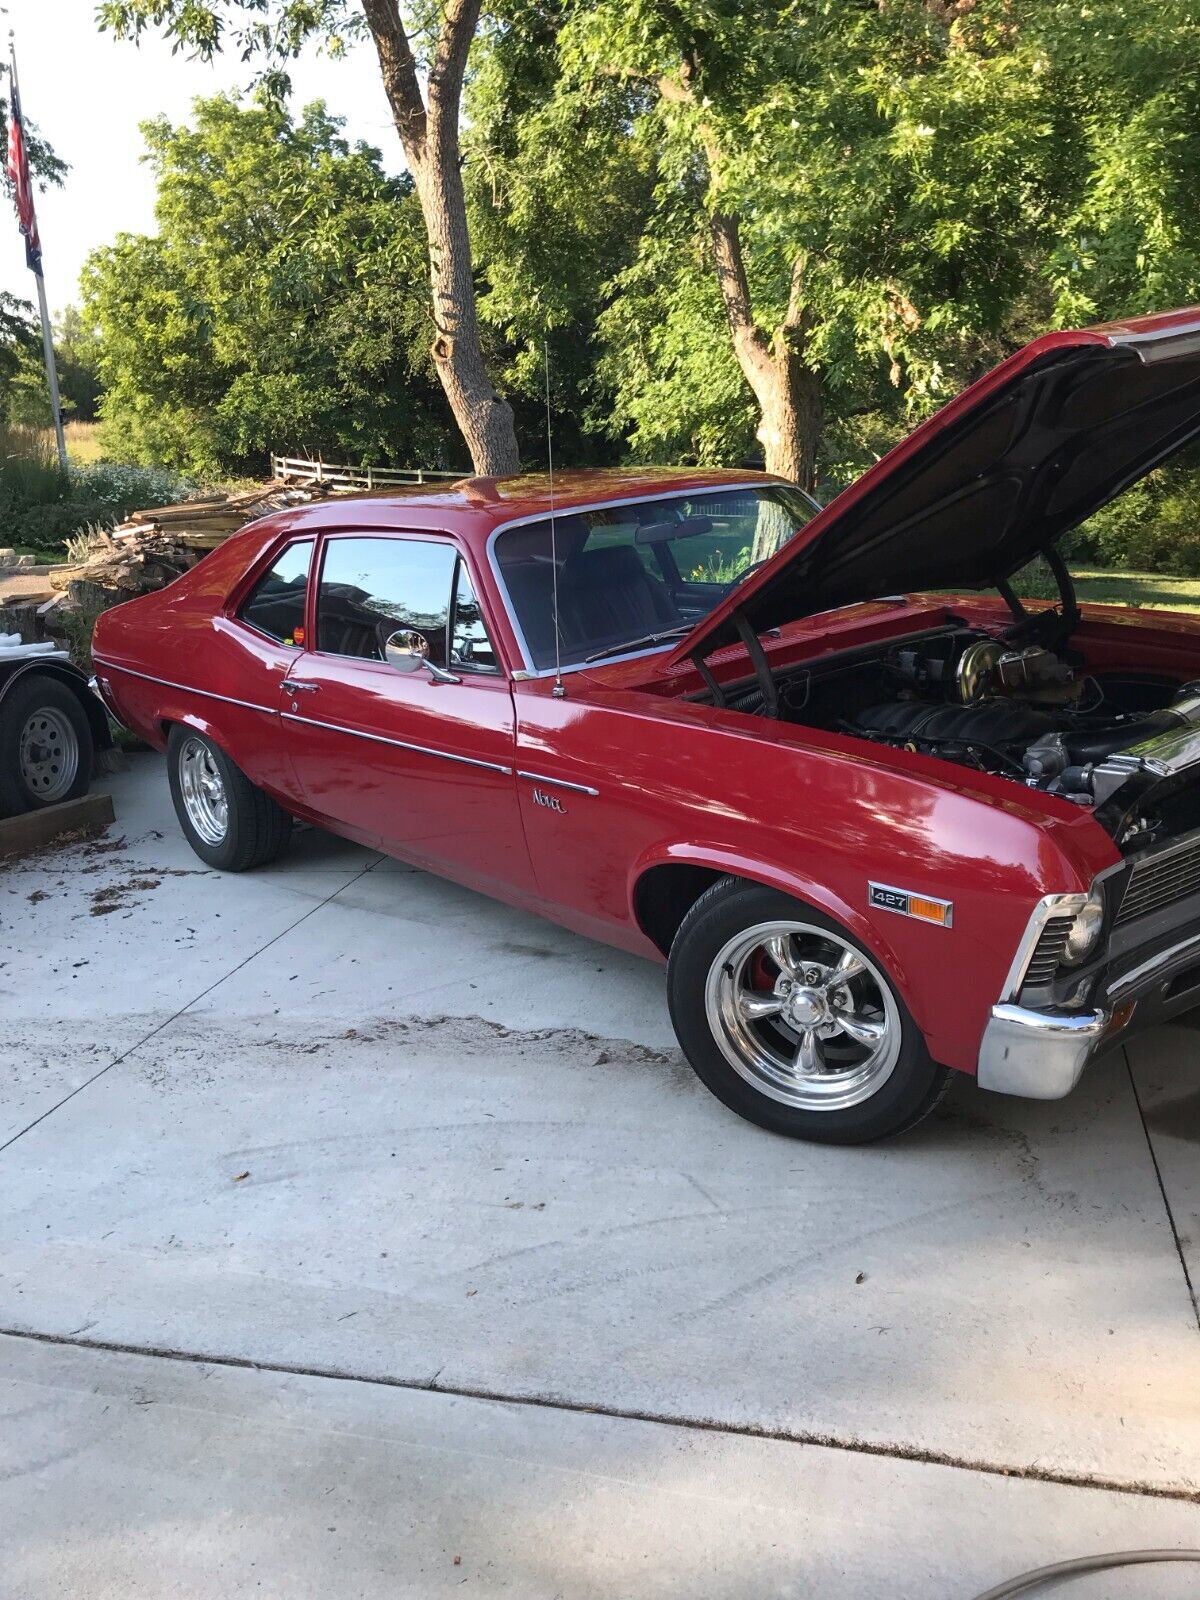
119 896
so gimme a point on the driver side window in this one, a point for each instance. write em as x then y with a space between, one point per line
372 587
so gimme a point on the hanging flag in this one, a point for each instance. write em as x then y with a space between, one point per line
18 171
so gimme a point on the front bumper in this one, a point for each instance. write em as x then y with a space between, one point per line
1041 1054
1038 1054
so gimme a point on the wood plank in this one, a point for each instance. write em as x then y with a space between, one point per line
33 830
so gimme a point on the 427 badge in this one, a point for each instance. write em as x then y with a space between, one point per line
922 907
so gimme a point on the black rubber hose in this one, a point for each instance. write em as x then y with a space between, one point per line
1076 1568
1088 747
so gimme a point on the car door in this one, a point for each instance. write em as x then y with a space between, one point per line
250 653
422 760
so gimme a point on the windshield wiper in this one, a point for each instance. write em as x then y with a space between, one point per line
636 644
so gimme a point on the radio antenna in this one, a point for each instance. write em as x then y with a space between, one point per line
559 691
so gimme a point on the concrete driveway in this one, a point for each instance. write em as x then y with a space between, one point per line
359 1236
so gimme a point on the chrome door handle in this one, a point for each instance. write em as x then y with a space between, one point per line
298 686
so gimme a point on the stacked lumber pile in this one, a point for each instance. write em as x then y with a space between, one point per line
155 546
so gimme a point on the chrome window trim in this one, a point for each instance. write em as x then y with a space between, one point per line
1051 905
530 671
186 688
558 783
399 744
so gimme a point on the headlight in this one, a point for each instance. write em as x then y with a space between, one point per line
1085 931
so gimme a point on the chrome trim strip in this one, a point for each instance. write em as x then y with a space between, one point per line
557 783
1051 905
1160 344
399 744
186 688
597 505
1164 958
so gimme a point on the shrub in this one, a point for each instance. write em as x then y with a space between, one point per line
29 470
42 506
1154 526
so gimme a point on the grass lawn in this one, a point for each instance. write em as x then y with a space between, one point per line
1138 589
44 558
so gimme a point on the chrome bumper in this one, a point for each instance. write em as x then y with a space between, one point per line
1038 1054
94 686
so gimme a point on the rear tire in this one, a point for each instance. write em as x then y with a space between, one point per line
229 822
792 1023
45 746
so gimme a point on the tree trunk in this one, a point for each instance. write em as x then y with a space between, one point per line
429 135
787 389
484 418
792 414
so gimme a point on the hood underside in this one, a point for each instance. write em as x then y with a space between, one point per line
992 480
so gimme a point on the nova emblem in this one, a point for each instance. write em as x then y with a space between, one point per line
551 803
905 904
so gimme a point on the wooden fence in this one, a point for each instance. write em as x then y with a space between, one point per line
295 469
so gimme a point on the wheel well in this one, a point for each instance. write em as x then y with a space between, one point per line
664 895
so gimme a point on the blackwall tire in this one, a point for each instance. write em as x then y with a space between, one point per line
792 1023
46 745
229 822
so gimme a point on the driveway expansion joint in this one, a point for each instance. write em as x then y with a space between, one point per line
1162 1189
175 1016
888 1451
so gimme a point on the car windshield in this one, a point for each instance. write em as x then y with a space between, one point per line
629 573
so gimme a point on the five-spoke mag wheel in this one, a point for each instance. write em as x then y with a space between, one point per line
790 1021
802 1015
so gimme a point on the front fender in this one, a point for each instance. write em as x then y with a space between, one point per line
800 885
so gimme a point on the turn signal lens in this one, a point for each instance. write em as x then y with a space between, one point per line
1122 1016
928 910
1085 932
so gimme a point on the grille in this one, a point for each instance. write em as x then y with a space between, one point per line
1159 880
1048 953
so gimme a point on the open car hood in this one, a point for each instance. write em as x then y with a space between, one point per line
990 481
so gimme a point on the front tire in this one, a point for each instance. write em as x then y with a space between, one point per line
792 1024
229 822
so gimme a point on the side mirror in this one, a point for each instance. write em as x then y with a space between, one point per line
408 651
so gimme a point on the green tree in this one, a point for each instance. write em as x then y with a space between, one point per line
21 357
77 350
856 207
277 307
558 203
423 67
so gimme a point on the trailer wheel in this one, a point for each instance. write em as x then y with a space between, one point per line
46 745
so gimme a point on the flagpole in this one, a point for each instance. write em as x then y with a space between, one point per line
47 335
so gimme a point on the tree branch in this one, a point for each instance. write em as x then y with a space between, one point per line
400 81
459 21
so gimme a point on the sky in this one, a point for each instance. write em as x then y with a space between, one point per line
87 93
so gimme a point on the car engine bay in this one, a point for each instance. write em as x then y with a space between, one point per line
1027 709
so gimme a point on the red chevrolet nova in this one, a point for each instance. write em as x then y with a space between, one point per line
881 818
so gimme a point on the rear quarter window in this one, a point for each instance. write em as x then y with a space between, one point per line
275 605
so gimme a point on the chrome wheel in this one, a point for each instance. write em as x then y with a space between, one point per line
48 754
203 791
803 1016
